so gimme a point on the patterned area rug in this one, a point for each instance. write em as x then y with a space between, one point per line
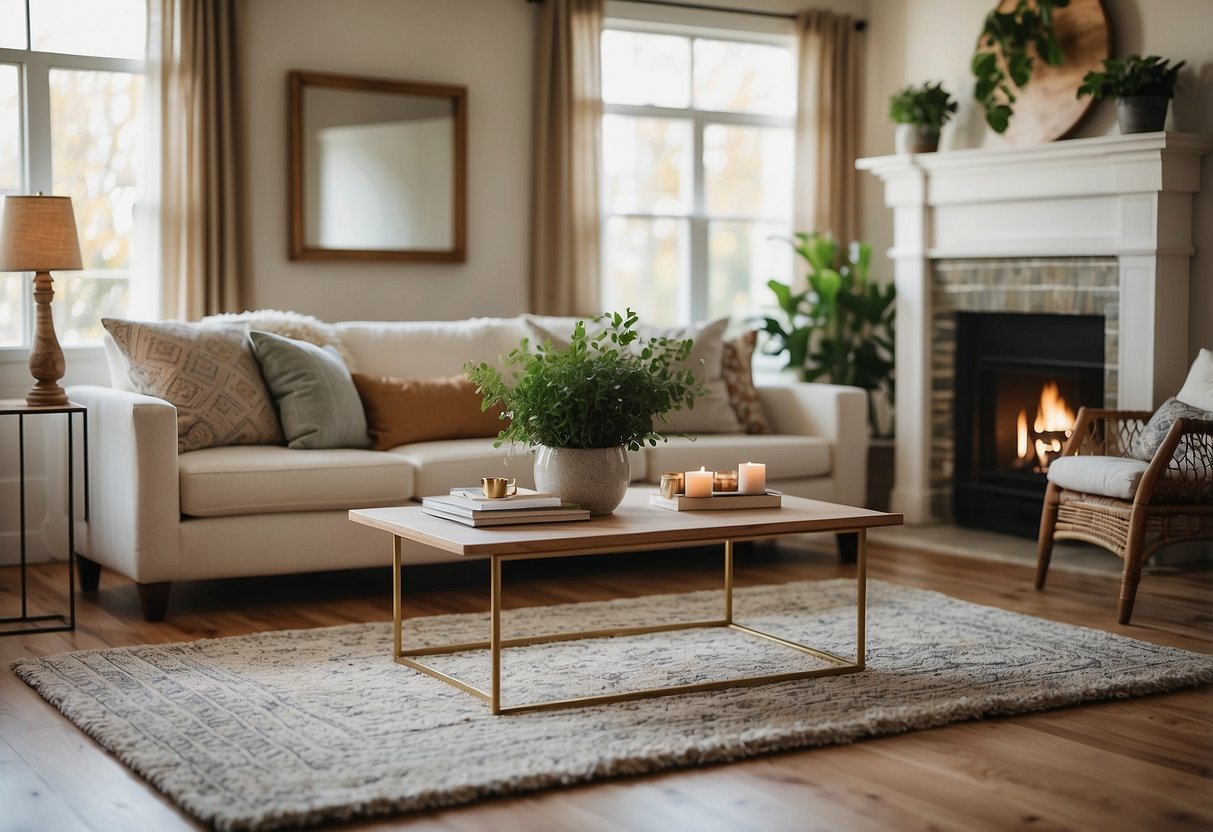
298 727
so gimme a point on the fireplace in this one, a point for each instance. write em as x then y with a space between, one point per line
1019 381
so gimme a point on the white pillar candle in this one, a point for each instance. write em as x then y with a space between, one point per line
698 483
752 478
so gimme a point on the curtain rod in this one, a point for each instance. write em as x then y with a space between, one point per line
860 25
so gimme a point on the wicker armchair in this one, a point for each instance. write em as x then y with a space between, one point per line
1172 502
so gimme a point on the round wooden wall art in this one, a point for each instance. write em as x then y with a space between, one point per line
1048 109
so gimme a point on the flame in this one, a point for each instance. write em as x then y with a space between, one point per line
1053 416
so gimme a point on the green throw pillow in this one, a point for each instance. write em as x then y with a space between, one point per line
316 397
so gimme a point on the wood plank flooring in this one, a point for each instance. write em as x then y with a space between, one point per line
1138 764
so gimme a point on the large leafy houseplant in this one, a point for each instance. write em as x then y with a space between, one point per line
840 328
1004 58
606 389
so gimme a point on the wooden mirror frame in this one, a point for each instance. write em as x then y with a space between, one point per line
297 82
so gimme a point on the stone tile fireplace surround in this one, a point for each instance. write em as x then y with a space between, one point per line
1097 226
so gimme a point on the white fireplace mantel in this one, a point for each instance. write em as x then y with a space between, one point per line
1128 197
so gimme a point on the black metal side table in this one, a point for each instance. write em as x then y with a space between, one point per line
26 623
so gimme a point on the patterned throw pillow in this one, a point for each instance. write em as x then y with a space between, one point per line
1156 430
735 366
208 373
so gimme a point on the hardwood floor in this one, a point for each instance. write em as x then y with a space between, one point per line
1133 764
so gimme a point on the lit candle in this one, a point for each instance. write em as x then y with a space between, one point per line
752 478
698 483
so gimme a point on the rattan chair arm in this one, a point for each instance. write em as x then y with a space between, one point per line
1164 456
1088 416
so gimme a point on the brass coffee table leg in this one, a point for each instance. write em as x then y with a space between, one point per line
496 642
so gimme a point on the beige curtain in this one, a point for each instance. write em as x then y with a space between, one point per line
195 67
564 203
827 125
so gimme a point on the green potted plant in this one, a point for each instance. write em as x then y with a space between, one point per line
840 328
1142 87
586 404
1004 58
920 113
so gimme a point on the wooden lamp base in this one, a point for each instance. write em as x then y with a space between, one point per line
46 363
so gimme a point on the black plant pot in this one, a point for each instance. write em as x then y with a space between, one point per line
1141 113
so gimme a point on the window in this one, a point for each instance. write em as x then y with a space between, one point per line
71 96
697 150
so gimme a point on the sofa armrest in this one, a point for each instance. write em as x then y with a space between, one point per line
829 411
132 464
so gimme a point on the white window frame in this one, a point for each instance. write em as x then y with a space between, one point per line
691 23
34 139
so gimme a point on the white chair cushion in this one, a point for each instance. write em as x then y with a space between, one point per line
786 457
260 479
1198 388
1107 476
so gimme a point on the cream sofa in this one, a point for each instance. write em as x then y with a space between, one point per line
158 516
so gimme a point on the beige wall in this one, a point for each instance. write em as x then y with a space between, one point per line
483 44
916 40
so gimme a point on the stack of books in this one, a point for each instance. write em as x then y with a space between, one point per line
470 507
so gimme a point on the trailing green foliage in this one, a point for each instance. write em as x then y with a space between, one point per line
601 391
928 106
1002 63
1134 75
840 329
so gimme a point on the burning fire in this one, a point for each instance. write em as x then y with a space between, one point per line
1052 426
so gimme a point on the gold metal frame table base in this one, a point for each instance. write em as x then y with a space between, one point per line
838 665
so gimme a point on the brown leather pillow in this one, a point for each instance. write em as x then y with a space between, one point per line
404 410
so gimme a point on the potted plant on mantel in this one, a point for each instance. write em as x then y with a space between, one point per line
586 404
920 113
1143 88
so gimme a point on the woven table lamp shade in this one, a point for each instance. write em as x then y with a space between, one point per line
39 234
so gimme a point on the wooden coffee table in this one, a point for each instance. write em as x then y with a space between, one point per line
634 527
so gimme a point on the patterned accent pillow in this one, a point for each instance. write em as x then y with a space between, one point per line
208 373
1156 430
736 367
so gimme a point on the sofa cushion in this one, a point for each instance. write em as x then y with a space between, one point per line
786 457
318 404
712 412
736 367
400 411
440 466
428 349
1107 476
260 479
208 373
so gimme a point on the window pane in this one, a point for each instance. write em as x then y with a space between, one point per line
640 68
10 128
107 28
95 159
647 164
742 257
82 299
748 170
15 291
645 261
744 78
12 24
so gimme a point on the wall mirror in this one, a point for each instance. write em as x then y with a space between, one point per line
378 169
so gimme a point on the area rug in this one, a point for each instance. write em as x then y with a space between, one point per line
299 727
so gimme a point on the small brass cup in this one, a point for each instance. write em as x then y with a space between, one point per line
495 488
671 484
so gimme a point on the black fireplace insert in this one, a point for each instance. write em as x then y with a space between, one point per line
1020 380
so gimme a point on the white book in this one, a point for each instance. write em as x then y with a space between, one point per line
473 497
507 518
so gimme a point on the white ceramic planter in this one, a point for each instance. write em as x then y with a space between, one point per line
595 478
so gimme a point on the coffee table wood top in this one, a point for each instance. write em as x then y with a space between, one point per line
635 524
